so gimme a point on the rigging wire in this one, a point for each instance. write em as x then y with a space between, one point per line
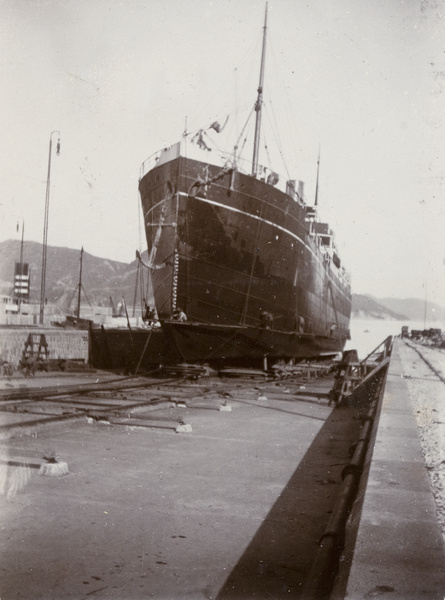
143 290
246 125
136 289
266 148
270 114
235 79
161 283
73 294
230 127
276 69
142 287
221 91
278 142
289 116
139 209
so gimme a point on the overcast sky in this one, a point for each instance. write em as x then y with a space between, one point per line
362 79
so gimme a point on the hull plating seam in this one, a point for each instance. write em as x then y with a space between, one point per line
257 218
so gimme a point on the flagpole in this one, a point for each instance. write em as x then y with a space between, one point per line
45 228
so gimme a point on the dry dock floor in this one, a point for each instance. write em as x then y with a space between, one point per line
231 510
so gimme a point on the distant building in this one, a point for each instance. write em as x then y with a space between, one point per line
8 307
98 314
18 312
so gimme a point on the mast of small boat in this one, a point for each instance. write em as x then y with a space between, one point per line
259 103
80 284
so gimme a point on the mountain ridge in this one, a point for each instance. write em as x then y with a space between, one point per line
105 281
415 308
102 278
367 307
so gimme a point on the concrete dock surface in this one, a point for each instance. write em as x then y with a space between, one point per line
232 510
395 548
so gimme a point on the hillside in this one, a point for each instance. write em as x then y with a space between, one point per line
414 308
101 278
365 307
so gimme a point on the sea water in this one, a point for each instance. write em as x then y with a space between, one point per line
367 334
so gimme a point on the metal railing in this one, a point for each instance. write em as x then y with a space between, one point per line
376 356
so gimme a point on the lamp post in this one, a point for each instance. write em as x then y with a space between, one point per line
45 227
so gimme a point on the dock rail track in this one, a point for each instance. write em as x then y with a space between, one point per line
425 360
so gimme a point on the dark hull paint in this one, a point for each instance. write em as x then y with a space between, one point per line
120 349
215 343
227 251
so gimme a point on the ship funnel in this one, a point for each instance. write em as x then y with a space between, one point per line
291 187
301 190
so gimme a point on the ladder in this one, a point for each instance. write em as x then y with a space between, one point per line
36 347
347 378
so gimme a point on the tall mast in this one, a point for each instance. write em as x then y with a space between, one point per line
45 228
80 284
318 173
259 103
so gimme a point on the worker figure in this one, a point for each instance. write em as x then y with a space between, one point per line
266 319
146 311
149 315
179 315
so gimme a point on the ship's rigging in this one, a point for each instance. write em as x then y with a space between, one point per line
260 134
232 243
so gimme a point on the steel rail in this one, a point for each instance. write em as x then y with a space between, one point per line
52 392
426 361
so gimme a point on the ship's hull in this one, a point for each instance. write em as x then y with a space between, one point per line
144 350
218 344
228 248
129 350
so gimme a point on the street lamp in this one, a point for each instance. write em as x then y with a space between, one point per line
45 226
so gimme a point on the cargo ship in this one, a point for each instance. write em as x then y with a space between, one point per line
241 266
